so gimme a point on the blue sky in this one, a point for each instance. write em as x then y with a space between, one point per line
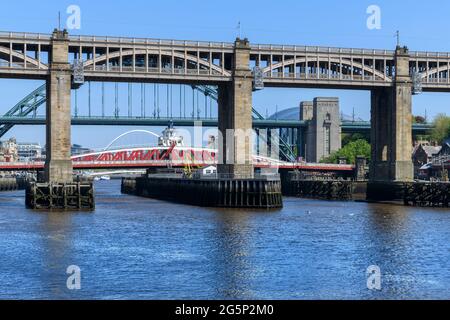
319 22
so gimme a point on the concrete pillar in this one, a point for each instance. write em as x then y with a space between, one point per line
392 126
58 165
235 117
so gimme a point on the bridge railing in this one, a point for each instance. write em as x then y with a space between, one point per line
321 49
150 41
436 80
141 69
321 76
427 54
24 35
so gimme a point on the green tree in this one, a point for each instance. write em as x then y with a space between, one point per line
419 120
353 149
441 128
351 137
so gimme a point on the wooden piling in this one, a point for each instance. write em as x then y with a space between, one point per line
60 196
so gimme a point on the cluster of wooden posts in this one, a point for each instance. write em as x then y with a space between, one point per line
61 196
11 184
427 194
320 189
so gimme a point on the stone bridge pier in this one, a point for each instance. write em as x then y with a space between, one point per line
58 190
235 117
58 165
391 133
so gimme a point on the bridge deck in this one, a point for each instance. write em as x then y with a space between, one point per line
182 61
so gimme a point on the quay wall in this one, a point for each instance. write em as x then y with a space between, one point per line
226 193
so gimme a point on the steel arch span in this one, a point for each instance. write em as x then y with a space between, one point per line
177 60
128 133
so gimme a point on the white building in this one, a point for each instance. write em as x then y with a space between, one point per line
210 170
29 151
8 150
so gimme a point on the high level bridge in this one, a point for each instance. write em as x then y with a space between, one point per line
388 74
27 55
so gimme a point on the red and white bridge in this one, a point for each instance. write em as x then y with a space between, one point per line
147 157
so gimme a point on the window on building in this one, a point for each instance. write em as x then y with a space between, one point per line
327 142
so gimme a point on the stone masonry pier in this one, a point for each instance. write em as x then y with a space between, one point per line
58 190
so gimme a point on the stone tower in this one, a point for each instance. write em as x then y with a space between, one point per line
323 134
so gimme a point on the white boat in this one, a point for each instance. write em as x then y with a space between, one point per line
169 138
106 178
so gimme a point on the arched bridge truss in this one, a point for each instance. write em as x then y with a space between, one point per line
25 55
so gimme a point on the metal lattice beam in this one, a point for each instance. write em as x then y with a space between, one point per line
34 100
25 107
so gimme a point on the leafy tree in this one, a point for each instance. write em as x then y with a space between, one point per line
351 137
419 120
353 149
441 129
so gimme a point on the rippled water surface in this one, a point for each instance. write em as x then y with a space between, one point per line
136 248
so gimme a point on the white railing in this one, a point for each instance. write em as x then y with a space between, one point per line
218 45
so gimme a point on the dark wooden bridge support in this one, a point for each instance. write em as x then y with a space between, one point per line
60 196
295 184
391 134
58 165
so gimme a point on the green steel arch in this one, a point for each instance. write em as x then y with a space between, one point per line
285 149
25 107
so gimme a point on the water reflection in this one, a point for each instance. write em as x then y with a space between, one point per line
399 245
136 248
229 253
57 245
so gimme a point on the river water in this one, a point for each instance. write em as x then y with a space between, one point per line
137 248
